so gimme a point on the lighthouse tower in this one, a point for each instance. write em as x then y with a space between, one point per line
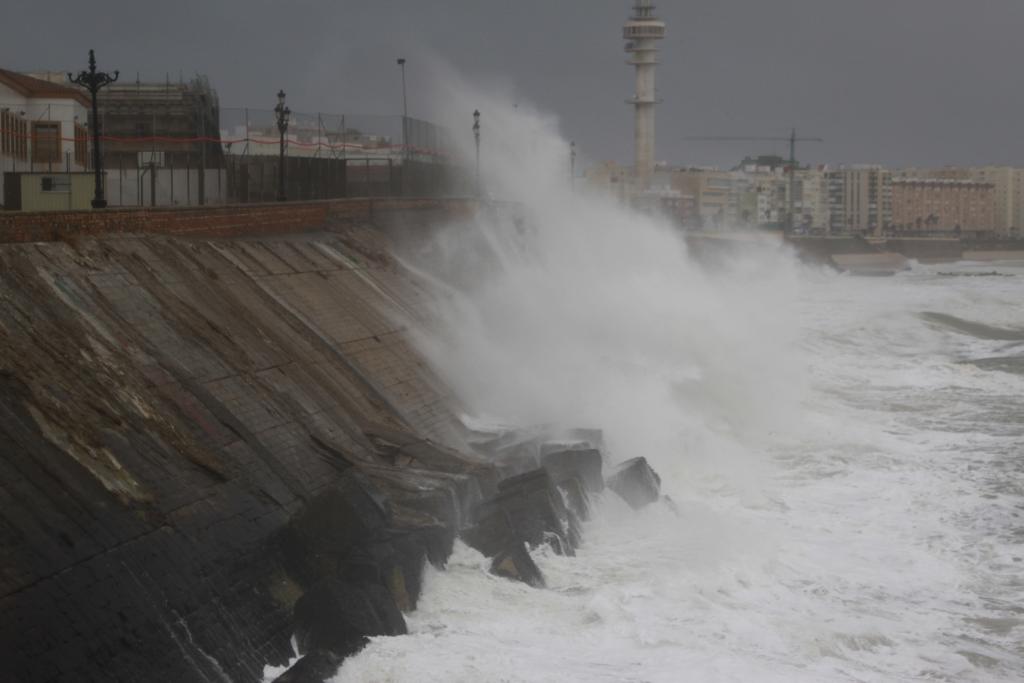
641 33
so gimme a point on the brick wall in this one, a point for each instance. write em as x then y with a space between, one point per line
216 221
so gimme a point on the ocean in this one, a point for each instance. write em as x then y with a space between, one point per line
846 454
871 527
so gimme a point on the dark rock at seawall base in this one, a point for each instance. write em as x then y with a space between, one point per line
177 417
636 483
527 511
576 498
315 667
528 507
324 534
584 464
336 616
514 562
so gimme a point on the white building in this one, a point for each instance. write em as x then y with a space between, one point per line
811 201
42 126
760 195
859 199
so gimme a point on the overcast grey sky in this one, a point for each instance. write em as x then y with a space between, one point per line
899 82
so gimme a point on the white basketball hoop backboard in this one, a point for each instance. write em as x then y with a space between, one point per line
147 159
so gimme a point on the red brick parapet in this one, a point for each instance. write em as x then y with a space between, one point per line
234 220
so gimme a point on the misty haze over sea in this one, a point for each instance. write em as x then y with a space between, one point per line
844 452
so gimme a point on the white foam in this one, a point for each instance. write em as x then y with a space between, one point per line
846 487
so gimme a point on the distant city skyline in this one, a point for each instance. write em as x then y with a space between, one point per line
914 83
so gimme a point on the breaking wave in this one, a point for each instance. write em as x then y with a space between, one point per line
972 328
848 489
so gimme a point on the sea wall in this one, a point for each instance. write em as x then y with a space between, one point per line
821 249
175 387
237 220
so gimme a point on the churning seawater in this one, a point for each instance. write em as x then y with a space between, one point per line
845 453
883 539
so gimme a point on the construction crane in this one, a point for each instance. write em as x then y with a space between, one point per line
792 139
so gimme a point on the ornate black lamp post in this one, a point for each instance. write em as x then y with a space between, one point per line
282 112
92 81
476 136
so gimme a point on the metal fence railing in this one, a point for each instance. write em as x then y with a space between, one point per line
325 156
336 136
254 178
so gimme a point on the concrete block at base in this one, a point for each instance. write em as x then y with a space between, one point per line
528 508
636 483
584 463
322 535
515 563
576 498
534 506
316 667
337 616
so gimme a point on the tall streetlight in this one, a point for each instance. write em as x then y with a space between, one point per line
92 81
202 149
282 112
405 113
476 136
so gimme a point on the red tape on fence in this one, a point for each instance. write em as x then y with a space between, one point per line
222 141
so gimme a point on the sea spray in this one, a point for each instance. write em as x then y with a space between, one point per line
881 543
565 307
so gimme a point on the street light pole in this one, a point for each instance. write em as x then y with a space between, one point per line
282 112
405 113
791 212
202 149
476 136
405 133
572 163
92 81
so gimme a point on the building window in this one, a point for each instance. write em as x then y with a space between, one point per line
46 142
6 134
81 145
13 135
56 183
21 139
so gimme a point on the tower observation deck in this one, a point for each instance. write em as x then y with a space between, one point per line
641 32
